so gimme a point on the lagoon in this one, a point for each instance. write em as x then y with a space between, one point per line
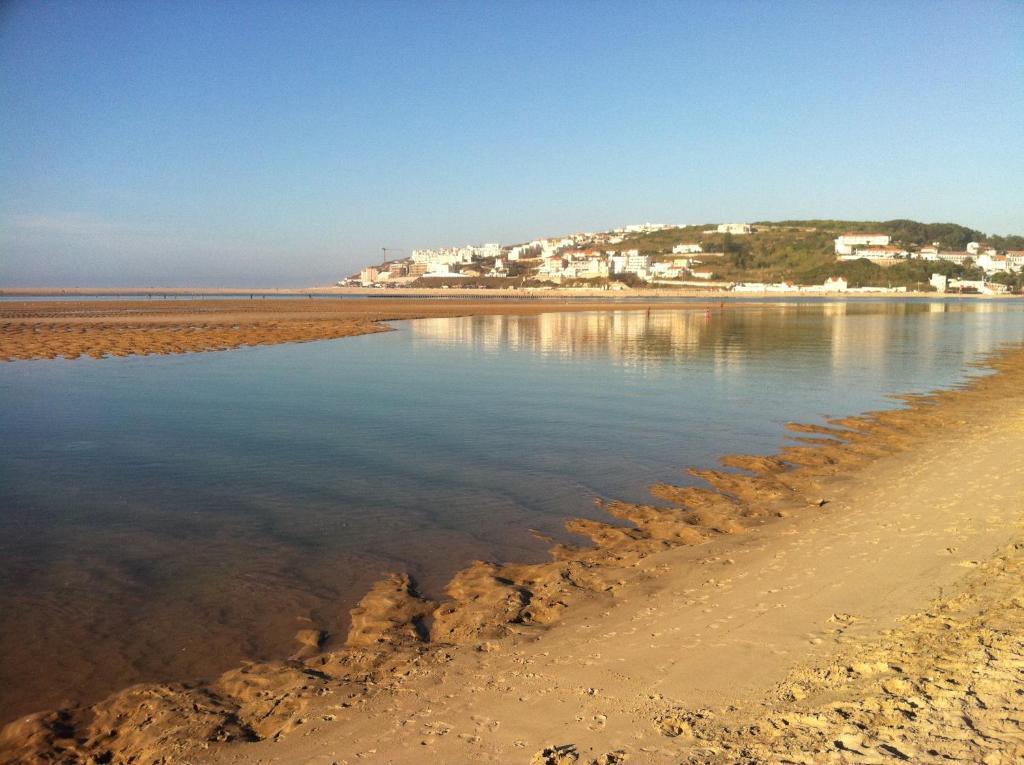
164 518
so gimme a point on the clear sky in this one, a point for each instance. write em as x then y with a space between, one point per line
283 143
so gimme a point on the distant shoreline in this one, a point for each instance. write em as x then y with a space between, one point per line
122 324
435 292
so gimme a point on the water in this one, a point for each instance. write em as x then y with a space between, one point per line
167 517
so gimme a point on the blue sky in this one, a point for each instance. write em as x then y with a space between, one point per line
283 143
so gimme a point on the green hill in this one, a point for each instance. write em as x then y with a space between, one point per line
804 250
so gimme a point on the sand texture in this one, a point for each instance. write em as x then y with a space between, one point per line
70 329
856 598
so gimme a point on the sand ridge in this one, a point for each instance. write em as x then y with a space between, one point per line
103 328
495 613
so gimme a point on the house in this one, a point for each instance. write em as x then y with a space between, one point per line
666 270
552 266
960 258
686 249
973 285
735 228
930 252
995 288
992 264
845 243
880 255
1015 260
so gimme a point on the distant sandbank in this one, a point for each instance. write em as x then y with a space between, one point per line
73 328
517 293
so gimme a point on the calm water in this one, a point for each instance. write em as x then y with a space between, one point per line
166 517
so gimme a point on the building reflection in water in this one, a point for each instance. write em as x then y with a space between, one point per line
853 336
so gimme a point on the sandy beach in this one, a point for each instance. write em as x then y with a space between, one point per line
855 598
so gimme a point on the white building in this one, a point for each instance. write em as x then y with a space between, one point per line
686 249
440 269
553 265
876 254
735 228
368 275
444 256
589 268
642 228
846 242
994 288
751 287
635 262
973 247
453 255
992 264
960 258
489 250
666 270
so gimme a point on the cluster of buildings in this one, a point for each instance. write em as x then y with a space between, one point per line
943 283
568 265
590 256
878 249
830 285
580 256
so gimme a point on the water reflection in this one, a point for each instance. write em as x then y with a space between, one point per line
857 334
166 517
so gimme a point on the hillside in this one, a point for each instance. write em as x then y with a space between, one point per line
803 250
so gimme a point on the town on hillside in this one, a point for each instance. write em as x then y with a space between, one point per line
787 257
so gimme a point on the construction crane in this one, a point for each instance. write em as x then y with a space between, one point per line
384 253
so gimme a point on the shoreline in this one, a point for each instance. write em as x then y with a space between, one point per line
517 293
101 328
495 612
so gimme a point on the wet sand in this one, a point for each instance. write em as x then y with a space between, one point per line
855 598
70 329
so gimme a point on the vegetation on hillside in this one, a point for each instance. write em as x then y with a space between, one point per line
803 251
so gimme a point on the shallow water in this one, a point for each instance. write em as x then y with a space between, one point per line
167 517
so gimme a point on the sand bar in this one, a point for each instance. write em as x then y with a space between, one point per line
747 621
70 329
